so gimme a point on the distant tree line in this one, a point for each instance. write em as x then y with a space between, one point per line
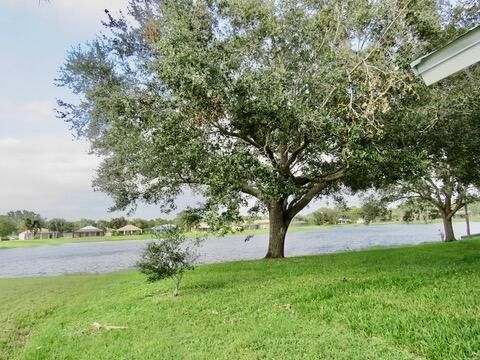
17 221
371 210
14 222
380 210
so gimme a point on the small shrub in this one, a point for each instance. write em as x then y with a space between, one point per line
169 257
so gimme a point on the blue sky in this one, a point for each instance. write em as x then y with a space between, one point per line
42 168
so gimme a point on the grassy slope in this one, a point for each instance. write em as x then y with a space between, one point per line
405 303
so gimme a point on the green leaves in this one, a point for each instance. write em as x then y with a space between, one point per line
7 227
169 257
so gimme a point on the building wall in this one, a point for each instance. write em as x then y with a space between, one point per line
131 232
87 234
29 236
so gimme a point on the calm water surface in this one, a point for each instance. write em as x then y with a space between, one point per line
119 255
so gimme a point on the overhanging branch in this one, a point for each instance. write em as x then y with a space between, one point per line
298 151
298 204
250 190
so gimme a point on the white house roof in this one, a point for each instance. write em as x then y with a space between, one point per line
164 227
453 57
129 227
88 229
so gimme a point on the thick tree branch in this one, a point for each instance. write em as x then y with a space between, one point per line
436 191
298 151
266 149
461 201
250 190
298 204
226 132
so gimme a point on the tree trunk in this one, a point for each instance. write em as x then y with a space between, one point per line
176 280
448 227
279 222
467 220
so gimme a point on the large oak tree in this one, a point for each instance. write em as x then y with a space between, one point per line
280 101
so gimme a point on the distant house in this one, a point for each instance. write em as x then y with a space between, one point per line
88 231
203 227
256 225
164 227
342 220
129 230
41 234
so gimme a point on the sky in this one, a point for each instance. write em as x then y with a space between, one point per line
42 167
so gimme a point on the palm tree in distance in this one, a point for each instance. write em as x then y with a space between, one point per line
33 226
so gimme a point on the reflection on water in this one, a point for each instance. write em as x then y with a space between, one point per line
113 256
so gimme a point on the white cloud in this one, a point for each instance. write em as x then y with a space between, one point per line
9 142
47 159
44 173
52 175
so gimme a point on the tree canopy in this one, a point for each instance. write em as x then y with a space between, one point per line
18 217
277 101
60 225
33 225
7 227
450 158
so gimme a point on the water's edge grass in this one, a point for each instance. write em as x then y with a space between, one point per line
403 303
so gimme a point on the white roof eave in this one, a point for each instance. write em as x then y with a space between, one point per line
453 57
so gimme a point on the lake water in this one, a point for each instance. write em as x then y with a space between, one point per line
110 256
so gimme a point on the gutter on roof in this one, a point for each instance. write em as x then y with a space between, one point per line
453 57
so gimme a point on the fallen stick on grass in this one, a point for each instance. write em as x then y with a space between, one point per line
98 326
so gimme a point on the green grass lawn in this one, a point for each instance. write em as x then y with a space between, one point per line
404 303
